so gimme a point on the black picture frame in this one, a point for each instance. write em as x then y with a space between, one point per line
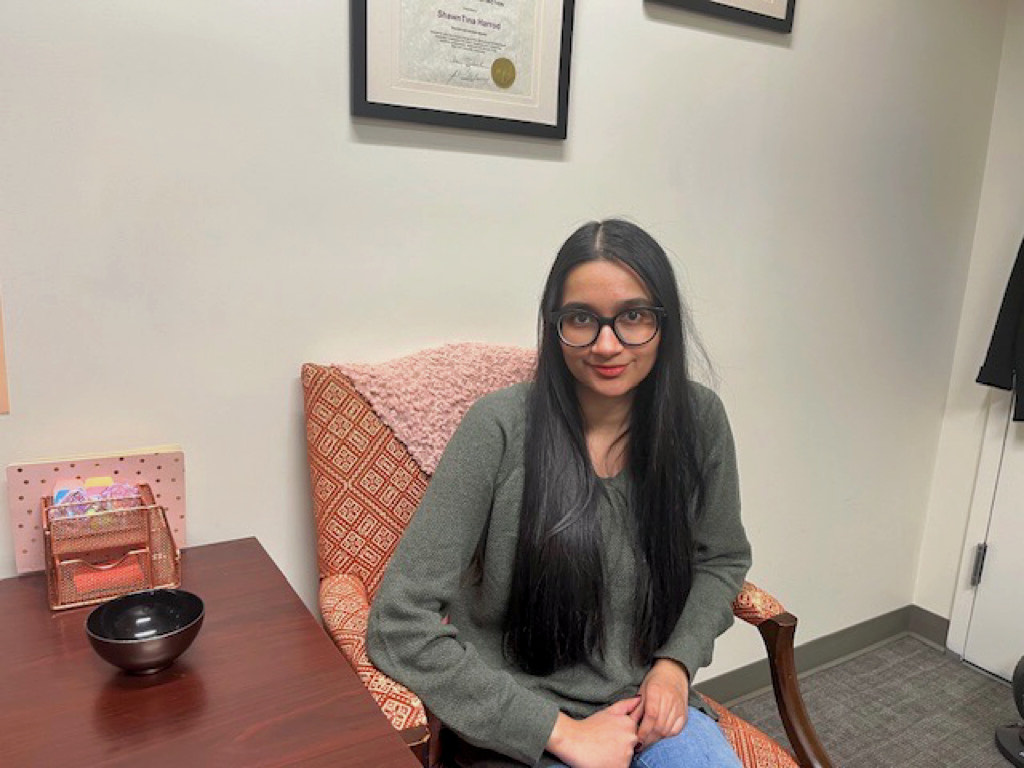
362 106
742 15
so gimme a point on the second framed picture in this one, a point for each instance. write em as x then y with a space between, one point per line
495 65
776 15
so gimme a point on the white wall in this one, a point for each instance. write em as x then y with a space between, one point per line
189 212
998 238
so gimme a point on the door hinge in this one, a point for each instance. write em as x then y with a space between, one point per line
979 564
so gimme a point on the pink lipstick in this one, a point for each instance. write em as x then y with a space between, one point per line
609 371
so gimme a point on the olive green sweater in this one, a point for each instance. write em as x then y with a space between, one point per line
458 668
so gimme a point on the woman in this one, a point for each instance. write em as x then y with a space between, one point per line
581 533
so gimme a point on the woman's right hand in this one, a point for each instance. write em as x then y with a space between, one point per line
606 739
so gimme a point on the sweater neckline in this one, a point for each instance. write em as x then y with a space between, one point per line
613 479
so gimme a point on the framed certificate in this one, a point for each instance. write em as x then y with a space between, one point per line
770 14
493 65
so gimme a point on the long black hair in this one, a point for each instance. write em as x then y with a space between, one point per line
556 611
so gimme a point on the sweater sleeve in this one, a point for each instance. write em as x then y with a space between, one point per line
722 552
406 638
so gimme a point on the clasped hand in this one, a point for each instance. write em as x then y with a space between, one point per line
664 697
610 737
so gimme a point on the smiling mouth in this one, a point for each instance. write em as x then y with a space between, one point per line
608 371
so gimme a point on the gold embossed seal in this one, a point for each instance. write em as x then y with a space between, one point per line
503 73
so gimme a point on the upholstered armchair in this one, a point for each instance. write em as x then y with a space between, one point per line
374 436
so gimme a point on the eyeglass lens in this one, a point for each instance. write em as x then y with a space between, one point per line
633 327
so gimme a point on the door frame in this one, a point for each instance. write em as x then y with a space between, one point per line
997 424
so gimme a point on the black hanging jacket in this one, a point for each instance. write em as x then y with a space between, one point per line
1004 363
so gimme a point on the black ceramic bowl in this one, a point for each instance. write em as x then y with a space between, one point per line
144 632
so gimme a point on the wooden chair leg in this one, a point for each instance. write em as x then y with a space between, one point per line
424 741
418 740
777 633
434 757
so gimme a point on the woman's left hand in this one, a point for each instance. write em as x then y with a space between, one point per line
664 695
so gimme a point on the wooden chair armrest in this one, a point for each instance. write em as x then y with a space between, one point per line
778 632
754 605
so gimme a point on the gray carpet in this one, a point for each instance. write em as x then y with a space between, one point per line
904 704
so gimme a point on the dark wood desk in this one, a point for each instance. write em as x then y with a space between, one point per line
263 685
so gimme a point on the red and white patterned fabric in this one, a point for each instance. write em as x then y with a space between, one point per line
366 485
345 609
755 748
754 605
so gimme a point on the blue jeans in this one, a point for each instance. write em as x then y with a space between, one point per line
700 745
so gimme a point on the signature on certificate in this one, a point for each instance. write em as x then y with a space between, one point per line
469 70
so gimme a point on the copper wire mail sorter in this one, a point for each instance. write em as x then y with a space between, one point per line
122 545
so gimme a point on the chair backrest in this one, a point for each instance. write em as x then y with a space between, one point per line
374 434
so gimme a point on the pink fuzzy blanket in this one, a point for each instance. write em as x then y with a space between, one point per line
422 397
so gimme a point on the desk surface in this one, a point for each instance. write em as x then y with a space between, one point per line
263 685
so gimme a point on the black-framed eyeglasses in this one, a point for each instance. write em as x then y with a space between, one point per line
634 326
